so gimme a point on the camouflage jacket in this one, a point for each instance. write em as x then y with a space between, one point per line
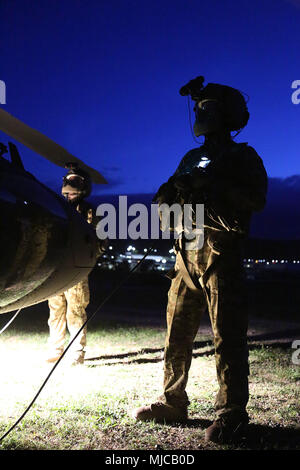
88 212
232 184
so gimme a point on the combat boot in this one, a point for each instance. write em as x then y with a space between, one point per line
54 356
225 430
161 413
78 359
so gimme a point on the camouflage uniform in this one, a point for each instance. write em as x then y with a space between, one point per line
215 282
67 310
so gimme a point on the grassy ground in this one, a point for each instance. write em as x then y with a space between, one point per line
89 407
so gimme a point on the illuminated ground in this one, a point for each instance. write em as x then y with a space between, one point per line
89 407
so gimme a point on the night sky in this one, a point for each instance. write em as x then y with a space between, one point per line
101 78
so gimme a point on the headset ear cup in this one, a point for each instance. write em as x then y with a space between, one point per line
87 190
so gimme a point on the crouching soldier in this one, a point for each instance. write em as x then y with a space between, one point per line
68 309
230 180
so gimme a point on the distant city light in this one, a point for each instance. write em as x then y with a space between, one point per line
158 261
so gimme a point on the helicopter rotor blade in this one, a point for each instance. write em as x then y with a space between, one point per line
43 145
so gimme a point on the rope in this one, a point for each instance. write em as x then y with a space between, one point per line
10 321
69 345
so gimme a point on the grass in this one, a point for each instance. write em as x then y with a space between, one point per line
89 407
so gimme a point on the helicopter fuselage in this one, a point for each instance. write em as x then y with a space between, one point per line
45 245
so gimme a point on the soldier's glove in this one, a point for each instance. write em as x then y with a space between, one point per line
199 179
166 194
183 183
192 187
102 247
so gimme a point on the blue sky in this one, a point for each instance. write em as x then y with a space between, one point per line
102 78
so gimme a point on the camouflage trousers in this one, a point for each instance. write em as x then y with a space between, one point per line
67 311
224 298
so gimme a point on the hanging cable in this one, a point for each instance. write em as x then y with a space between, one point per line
69 345
10 321
190 122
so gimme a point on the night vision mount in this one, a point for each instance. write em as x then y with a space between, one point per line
193 88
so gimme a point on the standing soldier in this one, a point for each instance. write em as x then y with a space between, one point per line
230 180
67 310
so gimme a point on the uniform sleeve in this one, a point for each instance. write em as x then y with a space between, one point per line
242 182
94 220
90 215
167 193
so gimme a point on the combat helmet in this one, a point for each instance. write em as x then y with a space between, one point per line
233 103
76 181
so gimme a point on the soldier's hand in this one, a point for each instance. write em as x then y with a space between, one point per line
183 183
166 193
198 178
102 247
